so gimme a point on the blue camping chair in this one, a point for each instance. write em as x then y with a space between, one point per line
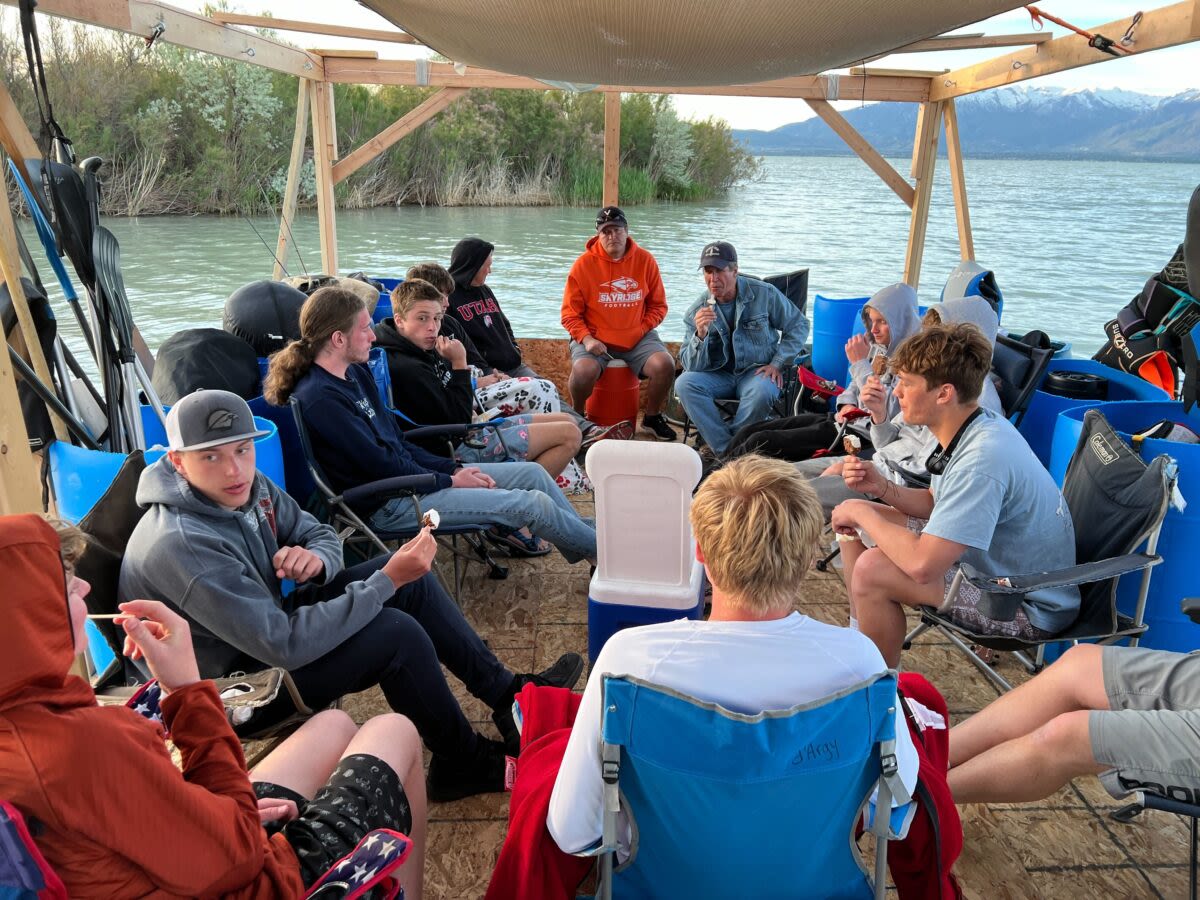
722 804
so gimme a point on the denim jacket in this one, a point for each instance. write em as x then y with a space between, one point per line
768 329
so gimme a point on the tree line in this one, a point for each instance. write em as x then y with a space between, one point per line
183 133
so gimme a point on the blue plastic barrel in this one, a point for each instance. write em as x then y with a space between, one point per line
268 450
1042 413
1176 577
833 323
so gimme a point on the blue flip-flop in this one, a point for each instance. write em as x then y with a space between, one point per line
518 544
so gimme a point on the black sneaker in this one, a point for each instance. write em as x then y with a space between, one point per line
479 772
657 426
563 674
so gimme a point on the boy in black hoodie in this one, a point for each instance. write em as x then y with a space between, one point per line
474 305
432 386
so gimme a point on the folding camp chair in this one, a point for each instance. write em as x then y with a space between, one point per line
1188 807
794 286
1018 369
342 508
1106 482
722 804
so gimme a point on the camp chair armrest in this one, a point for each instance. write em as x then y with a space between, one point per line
1082 574
388 488
451 431
1191 608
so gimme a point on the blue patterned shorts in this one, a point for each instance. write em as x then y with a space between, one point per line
508 443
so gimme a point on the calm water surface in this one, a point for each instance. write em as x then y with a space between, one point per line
1070 242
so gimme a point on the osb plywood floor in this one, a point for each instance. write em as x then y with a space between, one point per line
1065 846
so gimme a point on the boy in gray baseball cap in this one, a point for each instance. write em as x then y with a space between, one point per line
218 539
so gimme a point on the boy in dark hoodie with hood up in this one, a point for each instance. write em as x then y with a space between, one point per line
476 307
112 814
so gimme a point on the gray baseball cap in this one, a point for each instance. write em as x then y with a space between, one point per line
209 419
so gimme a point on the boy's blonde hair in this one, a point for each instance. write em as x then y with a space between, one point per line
757 522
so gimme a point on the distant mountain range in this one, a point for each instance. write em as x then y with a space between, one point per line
1021 121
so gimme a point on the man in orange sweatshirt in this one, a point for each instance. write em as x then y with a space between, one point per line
612 303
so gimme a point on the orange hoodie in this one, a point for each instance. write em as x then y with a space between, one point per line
108 809
615 301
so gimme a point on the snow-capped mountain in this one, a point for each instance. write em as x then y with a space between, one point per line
1024 120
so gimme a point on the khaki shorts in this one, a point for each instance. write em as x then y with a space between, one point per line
634 358
1151 735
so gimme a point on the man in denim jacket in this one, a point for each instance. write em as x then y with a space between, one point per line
740 336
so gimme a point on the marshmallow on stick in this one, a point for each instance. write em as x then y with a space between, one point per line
852 444
431 519
879 365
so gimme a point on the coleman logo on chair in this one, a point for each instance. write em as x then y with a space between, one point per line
1103 451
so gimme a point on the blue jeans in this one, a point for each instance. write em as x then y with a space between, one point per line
699 391
525 495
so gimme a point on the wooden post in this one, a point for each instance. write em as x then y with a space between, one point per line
10 264
929 120
962 213
323 152
288 211
612 148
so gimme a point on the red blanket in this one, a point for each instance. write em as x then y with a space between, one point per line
913 862
531 867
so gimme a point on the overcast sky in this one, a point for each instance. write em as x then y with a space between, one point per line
1160 72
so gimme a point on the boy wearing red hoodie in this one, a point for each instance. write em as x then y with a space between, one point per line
612 303
106 805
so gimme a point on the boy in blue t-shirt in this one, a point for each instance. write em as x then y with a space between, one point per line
991 504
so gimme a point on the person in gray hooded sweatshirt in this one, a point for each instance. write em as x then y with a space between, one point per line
218 539
900 447
890 316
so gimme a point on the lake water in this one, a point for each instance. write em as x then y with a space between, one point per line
1070 242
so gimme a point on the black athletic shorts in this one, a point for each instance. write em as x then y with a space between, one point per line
362 794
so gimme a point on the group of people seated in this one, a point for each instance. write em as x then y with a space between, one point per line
226 573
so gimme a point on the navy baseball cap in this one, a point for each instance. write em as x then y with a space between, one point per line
719 254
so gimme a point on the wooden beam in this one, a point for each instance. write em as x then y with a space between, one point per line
958 183
287 212
366 34
612 149
863 148
186 29
405 125
345 54
1163 27
15 137
323 155
925 146
19 485
974 42
814 87
10 266
896 73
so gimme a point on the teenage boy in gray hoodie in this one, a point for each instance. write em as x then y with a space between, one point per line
218 539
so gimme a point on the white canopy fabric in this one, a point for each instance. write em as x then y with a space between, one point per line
680 43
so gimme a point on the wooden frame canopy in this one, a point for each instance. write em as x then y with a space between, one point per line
318 71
